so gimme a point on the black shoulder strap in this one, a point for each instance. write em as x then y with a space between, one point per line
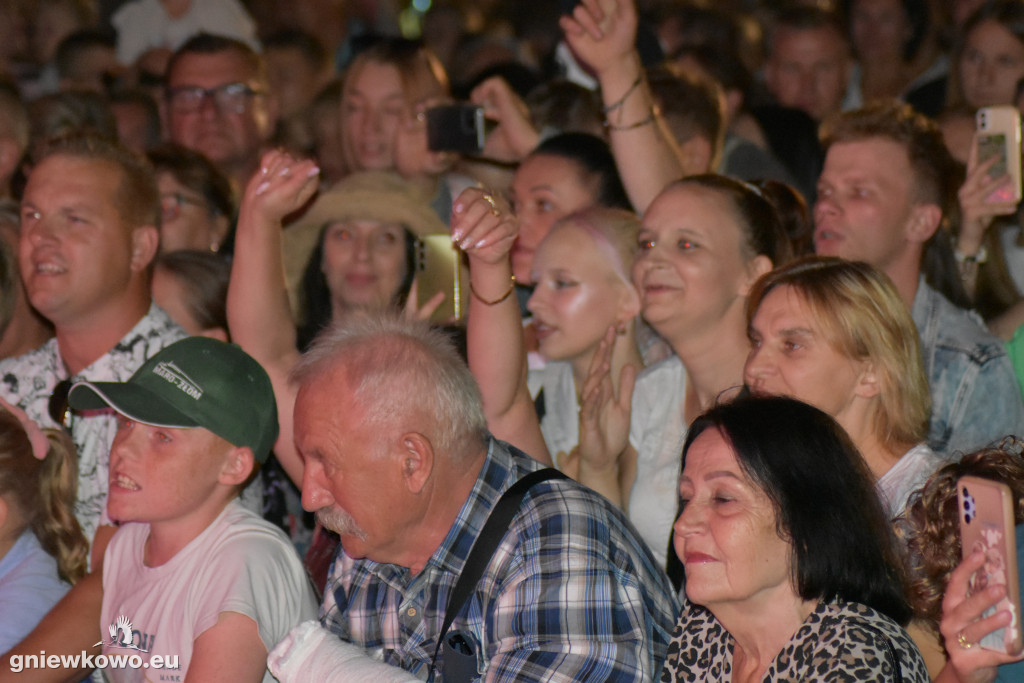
485 545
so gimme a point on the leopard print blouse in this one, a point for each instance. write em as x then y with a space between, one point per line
839 641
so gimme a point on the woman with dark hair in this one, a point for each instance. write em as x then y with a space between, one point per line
192 286
792 571
563 174
990 55
196 200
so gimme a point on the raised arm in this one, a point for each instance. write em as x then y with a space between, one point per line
978 209
514 136
602 34
485 229
259 315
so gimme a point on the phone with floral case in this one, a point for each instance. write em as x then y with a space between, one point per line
985 508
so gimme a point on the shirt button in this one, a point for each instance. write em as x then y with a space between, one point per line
411 611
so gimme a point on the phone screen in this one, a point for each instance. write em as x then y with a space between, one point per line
993 145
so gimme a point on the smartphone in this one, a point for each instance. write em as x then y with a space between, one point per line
999 136
456 128
440 268
986 524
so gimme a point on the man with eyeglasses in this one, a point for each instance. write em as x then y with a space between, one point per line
218 103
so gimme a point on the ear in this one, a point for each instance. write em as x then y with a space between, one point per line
221 224
696 155
923 222
145 242
237 466
868 385
629 303
416 455
757 267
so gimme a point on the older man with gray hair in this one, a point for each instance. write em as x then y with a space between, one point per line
399 462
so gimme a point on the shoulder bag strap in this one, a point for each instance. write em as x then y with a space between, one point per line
486 543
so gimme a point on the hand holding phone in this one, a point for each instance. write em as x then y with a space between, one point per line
456 128
999 136
985 508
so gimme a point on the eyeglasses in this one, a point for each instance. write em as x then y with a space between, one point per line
172 203
232 98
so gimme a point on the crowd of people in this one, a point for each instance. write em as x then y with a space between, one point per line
672 377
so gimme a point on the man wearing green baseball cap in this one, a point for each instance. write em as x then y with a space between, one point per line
204 583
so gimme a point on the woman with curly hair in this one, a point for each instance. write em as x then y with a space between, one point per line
939 589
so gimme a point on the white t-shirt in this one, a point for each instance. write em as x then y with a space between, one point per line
240 563
561 422
657 431
143 25
908 475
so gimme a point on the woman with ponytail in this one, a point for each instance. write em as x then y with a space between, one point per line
42 549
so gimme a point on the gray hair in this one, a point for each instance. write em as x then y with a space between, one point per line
398 368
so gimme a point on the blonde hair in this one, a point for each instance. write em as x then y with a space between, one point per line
864 318
42 492
614 231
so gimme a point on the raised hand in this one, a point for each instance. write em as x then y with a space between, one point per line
484 227
962 626
604 419
601 33
514 137
978 207
280 186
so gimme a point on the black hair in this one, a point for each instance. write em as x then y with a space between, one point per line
311 49
826 506
918 17
204 277
71 48
316 296
212 44
596 163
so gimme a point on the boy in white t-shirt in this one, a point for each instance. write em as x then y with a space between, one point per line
191 576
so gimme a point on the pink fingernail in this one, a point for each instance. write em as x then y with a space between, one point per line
263 187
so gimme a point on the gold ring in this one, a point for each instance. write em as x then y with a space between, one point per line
494 205
964 643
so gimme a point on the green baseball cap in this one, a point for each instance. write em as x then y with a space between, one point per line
194 382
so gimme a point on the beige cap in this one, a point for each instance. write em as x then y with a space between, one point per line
367 195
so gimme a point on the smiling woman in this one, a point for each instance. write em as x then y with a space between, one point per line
783 584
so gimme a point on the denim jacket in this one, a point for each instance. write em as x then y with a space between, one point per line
975 397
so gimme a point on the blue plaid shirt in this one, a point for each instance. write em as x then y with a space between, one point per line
571 594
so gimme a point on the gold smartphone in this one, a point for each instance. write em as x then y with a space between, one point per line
440 267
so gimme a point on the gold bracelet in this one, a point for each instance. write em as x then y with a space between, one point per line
639 124
511 288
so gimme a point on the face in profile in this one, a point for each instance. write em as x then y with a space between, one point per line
991 65
691 267
726 535
791 355
364 263
579 294
546 188
75 253
865 202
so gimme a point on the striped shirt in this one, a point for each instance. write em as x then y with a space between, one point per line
571 593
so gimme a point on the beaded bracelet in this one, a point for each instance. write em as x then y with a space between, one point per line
622 100
639 124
